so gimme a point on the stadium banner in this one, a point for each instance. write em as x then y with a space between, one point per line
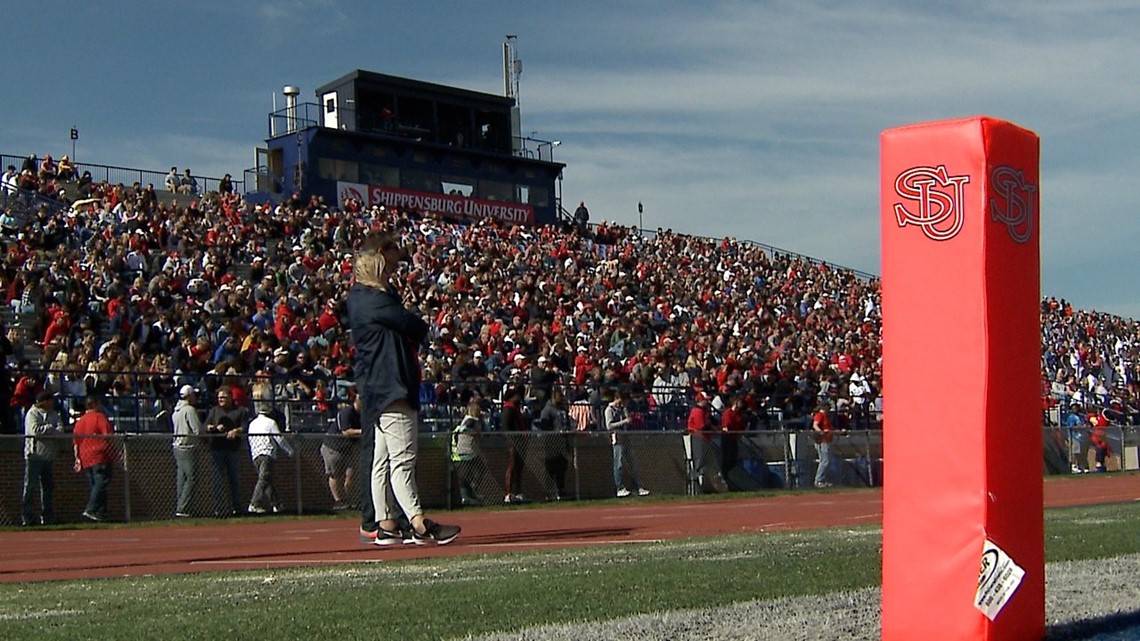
963 524
442 204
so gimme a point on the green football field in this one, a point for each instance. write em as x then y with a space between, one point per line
512 594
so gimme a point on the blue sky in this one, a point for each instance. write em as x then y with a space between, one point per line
758 120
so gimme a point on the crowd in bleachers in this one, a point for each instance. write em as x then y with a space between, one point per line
1090 360
132 296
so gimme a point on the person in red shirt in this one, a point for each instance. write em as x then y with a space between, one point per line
94 455
822 434
731 425
24 395
58 328
513 421
582 365
328 319
699 424
1099 441
282 320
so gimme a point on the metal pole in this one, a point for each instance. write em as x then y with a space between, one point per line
870 462
449 464
577 474
789 482
297 475
126 479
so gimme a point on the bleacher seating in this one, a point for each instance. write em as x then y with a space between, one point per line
615 306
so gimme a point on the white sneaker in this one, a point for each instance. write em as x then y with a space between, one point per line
642 491
385 538
622 493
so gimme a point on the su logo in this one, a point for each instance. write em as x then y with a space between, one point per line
1009 186
348 191
938 198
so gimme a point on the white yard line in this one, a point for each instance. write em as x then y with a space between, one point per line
564 543
38 614
297 562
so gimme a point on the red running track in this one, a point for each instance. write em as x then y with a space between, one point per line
100 551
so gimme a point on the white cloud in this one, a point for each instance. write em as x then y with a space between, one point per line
753 119
768 129
300 20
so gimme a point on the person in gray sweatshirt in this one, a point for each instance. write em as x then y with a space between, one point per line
41 426
187 433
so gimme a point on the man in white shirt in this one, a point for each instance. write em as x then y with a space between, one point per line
265 440
860 392
8 180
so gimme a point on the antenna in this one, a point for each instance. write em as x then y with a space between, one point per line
512 69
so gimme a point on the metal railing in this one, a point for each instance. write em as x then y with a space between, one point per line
550 466
128 175
23 204
136 397
566 218
459 135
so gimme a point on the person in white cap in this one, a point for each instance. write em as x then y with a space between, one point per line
542 381
41 425
187 432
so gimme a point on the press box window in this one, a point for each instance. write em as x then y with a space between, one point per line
343 170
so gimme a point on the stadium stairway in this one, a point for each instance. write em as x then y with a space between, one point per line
181 200
242 271
24 343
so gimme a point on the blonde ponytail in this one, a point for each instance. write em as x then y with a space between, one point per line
368 268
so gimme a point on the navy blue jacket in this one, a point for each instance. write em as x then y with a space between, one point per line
386 338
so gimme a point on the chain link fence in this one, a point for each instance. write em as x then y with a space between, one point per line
550 466
547 466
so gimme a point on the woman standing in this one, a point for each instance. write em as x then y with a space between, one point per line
386 337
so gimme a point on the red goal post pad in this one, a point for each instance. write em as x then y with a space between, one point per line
961 382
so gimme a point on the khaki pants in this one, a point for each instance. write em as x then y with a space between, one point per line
394 463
